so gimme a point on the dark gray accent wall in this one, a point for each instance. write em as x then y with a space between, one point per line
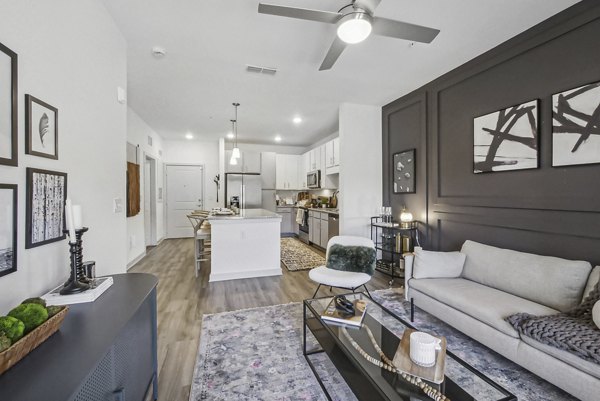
551 211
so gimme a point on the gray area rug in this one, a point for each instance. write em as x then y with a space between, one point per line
296 255
256 354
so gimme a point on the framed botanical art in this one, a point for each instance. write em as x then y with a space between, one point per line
8 229
45 212
404 169
507 139
8 107
576 126
41 128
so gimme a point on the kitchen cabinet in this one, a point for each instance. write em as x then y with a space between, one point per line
316 229
329 153
315 159
267 170
303 169
324 230
286 174
249 162
332 150
336 151
288 216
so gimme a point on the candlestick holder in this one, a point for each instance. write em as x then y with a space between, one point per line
78 281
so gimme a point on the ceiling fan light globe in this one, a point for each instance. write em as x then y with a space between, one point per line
235 154
354 27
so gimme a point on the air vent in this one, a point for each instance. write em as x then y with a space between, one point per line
261 70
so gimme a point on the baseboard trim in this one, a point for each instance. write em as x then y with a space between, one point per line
244 274
136 259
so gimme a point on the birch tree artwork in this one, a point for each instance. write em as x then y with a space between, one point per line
576 126
46 195
506 139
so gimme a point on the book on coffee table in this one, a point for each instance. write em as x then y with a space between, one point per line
331 314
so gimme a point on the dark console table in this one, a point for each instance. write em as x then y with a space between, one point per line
104 351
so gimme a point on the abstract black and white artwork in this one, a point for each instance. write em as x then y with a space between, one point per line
404 171
45 214
41 127
8 107
576 126
8 229
506 139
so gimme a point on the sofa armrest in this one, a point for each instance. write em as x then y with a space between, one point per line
409 259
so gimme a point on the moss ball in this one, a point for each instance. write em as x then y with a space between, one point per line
5 342
32 315
12 328
39 301
53 310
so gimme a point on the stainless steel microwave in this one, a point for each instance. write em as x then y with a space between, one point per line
313 179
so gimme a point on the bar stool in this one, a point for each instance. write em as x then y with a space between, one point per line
201 227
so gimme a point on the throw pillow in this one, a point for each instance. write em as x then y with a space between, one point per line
596 314
356 259
429 264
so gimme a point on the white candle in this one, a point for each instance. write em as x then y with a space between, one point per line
77 217
70 225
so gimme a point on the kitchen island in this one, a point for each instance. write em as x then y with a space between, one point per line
245 245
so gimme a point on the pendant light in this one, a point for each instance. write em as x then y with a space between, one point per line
233 160
236 151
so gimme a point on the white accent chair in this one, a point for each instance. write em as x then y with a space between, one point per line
337 278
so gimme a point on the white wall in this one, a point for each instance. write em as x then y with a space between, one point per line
137 134
72 56
197 152
360 167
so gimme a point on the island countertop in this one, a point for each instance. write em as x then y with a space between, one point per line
245 214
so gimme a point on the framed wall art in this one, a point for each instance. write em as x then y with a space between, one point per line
576 126
45 212
8 229
8 107
404 172
507 139
41 128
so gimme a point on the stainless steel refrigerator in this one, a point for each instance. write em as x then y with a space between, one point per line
246 187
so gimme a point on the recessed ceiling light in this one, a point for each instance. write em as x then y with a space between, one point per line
158 52
230 135
278 138
297 120
189 136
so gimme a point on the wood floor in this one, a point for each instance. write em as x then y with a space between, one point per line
183 299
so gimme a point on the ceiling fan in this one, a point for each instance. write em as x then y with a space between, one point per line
355 22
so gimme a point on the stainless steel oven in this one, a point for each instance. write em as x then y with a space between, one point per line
313 179
303 228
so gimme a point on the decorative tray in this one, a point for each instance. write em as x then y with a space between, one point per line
402 361
10 356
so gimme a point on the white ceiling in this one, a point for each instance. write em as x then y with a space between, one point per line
209 43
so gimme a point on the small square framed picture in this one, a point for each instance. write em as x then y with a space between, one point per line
41 128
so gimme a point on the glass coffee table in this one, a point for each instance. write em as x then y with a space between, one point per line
372 383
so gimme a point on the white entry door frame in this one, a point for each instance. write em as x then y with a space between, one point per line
150 216
184 192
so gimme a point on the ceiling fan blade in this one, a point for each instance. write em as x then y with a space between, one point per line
403 30
299 13
337 47
368 5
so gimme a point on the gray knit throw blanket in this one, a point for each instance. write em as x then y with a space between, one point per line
573 331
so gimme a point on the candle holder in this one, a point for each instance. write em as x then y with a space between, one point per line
78 282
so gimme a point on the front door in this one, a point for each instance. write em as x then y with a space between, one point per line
184 195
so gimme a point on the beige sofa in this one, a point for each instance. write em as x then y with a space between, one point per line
496 283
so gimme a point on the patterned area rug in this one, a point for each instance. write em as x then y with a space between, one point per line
256 354
296 255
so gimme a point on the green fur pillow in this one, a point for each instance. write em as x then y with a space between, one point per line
357 259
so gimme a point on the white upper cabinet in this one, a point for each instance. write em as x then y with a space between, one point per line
336 151
332 160
286 174
249 162
315 159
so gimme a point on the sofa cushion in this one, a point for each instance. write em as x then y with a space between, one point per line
567 357
592 282
430 264
554 282
596 314
486 304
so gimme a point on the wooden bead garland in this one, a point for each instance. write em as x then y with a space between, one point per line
388 364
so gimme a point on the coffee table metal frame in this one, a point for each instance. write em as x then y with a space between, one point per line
367 384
